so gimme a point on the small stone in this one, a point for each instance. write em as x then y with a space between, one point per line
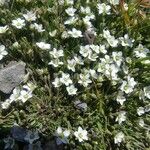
80 105
89 37
11 76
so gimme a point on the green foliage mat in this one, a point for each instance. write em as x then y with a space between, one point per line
110 123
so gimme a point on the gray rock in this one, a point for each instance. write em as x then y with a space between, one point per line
51 145
11 76
36 146
80 105
18 133
89 37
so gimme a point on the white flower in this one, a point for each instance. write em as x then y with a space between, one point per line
53 33
70 11
119 138
65 35
117 57
95 48
102 49
112 71
126 41
19 94
62 135
90 17
55 62
56 53
101 67
25 95
114 2
105 67
126 6
15 44
106 34
121 117
29 86
112 41
87 21
66 133
65 79
140 111
71 90
93 73
131 81
3 52
84 80
15 95
59 131
141 123
5 104
85 10
141 95
43 45
128 86
106 59
125 69
71 64
120 98
30 16
56 82
81 134
128 60
147 108
103 8
78 60
18 23
147 91
3 29
70 2
75 33
145 62
71 20
2 2
140 51
85 50
38 27
92 56
87 1
61 2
